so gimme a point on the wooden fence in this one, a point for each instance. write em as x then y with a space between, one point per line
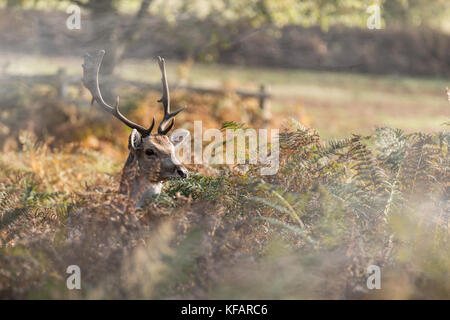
61 81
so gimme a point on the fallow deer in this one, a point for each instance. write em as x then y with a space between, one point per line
152 158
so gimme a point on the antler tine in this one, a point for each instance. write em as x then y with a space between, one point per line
165 100
91 68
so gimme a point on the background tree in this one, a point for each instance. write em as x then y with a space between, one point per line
106 31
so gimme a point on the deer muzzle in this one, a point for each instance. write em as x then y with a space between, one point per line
181 172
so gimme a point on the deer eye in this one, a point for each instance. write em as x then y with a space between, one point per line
149 152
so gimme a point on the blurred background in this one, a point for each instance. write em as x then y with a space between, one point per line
334 65
346 196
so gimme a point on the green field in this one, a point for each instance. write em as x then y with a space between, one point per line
336 104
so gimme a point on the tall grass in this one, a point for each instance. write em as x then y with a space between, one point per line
310 231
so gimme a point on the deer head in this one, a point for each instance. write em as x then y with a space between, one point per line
152 157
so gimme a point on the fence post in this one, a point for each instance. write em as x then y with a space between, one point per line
262 96
61 86
264 105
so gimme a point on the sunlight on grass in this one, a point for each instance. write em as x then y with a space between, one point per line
360 102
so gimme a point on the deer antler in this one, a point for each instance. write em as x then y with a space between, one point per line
165 100
91 67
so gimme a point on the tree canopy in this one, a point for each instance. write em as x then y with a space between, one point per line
277 13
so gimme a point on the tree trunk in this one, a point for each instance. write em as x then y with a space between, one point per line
105 22
105 35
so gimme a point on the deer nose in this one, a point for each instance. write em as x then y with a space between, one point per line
182 172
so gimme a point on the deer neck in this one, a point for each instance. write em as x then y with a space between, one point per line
137 185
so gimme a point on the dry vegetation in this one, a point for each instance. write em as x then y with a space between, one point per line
310 231
336 104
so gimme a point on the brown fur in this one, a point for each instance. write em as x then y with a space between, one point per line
143 174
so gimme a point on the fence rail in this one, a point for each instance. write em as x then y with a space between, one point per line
61 81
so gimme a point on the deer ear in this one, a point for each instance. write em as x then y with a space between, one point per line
135 140
179 136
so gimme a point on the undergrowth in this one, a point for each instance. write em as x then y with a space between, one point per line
333 209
